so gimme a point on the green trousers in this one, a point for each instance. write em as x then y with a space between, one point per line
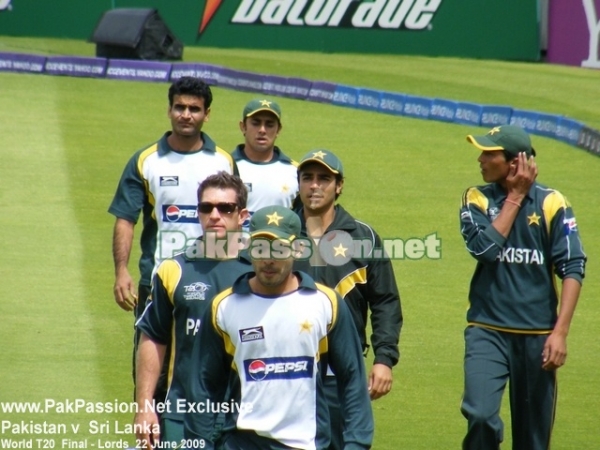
493 358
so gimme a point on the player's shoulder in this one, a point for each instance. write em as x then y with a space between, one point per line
283 158
330 293
477 195
143 152
224 153
170 272
356 227
551 200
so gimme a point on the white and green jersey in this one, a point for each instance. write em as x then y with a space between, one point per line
267 353
163 183
274 182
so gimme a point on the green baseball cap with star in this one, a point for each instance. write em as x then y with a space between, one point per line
511 138
275 222
257 105
325 158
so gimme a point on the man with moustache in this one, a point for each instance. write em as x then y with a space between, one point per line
367 284
263 343
182 289
160 181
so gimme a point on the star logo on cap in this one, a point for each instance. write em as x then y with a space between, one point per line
494 130
534 219
266 103
306 326
274 218
285 188
319 154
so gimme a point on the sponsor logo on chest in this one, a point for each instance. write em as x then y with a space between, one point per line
166 180
179 213
281 368
251 334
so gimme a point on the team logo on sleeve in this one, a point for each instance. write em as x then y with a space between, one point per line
570 225
282 368
493 212
252 334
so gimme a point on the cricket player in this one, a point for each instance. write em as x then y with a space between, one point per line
263 342
270 176
367 284
182 290
522 234
160 181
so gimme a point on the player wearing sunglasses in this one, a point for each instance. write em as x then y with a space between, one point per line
181 290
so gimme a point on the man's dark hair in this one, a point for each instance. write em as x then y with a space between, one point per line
224 180
338 179
191 86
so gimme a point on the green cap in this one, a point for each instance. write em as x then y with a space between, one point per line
324 157
258 105
275 222
511 138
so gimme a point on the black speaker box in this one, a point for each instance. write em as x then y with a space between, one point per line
135 33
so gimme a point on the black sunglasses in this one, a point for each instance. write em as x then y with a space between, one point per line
223 208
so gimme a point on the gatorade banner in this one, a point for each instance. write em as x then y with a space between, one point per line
506 29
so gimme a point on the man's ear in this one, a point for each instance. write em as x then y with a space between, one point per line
244 214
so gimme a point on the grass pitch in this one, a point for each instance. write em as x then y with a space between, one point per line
65 143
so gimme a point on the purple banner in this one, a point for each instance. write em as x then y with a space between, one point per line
298 88
126 69
228 78
76 67
249 82
321 91
206 72
573 32
274 85
12 62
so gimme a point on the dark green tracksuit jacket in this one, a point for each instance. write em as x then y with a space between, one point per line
513 287
365 284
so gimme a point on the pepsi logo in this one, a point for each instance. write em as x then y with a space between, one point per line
257 370
173 213
279 368
180 213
